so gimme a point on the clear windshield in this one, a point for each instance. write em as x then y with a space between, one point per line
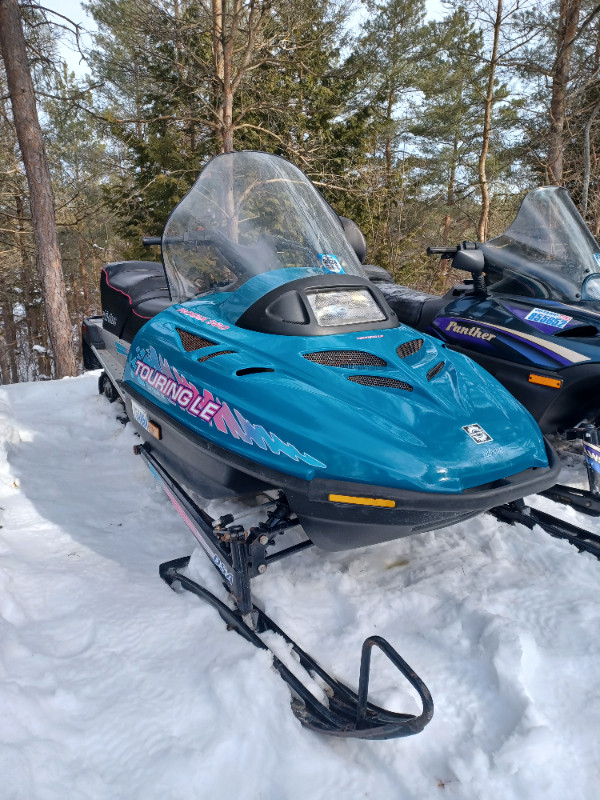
548 235
249 213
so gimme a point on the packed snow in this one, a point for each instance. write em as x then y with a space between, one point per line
113 686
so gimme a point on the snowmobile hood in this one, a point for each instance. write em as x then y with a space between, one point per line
388 407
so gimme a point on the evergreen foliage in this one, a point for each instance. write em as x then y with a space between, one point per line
380 106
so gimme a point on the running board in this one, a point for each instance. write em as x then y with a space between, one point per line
518 511
347 713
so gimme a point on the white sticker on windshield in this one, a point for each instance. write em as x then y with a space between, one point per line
330 263
544 317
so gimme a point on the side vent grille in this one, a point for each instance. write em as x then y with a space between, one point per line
346 358
435 371
409 348
380 381
212 355
192 342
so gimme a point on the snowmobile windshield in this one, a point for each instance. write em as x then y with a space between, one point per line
548 250
248 213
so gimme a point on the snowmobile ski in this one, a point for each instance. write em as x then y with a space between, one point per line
348 713
238 555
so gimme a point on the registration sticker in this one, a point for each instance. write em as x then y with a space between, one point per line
140 416
330 263
544 317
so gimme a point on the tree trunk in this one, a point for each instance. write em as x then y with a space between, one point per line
487 126
26 277
10 331
227 129
31 143
33 309
4 365
82 267
586 159
567 28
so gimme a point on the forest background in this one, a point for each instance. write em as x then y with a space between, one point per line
424 131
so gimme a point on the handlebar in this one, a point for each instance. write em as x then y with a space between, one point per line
447 251
189 237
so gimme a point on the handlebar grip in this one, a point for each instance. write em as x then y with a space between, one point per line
148 241
434 251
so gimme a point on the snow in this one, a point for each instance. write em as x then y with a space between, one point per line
113 686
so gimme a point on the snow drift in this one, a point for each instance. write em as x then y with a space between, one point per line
114 686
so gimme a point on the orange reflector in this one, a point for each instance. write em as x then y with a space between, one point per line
154 429
362 501
542 380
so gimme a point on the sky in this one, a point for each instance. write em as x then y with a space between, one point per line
75 12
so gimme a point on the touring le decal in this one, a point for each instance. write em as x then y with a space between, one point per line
152 370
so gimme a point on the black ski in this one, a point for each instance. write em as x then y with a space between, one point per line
347 713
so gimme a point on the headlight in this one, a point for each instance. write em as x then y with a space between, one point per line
345 307
591 288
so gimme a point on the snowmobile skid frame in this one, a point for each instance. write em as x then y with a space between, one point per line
586 500
518 511
239 555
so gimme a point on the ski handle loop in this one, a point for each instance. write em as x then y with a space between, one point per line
417 723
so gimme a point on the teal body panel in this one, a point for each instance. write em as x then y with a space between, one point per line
308 420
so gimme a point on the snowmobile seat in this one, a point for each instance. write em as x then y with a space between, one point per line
413 308
132 292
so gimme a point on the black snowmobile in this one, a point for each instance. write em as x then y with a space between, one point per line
258 359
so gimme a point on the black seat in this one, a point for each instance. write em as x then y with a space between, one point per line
413 308
132 292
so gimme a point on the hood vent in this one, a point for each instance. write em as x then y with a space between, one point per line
254 370
218 353
346 358
435 371
579 331
192 342
409 348
381 381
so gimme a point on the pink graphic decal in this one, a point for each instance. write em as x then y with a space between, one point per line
201 318
175 388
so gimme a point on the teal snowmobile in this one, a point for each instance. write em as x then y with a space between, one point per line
258 360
